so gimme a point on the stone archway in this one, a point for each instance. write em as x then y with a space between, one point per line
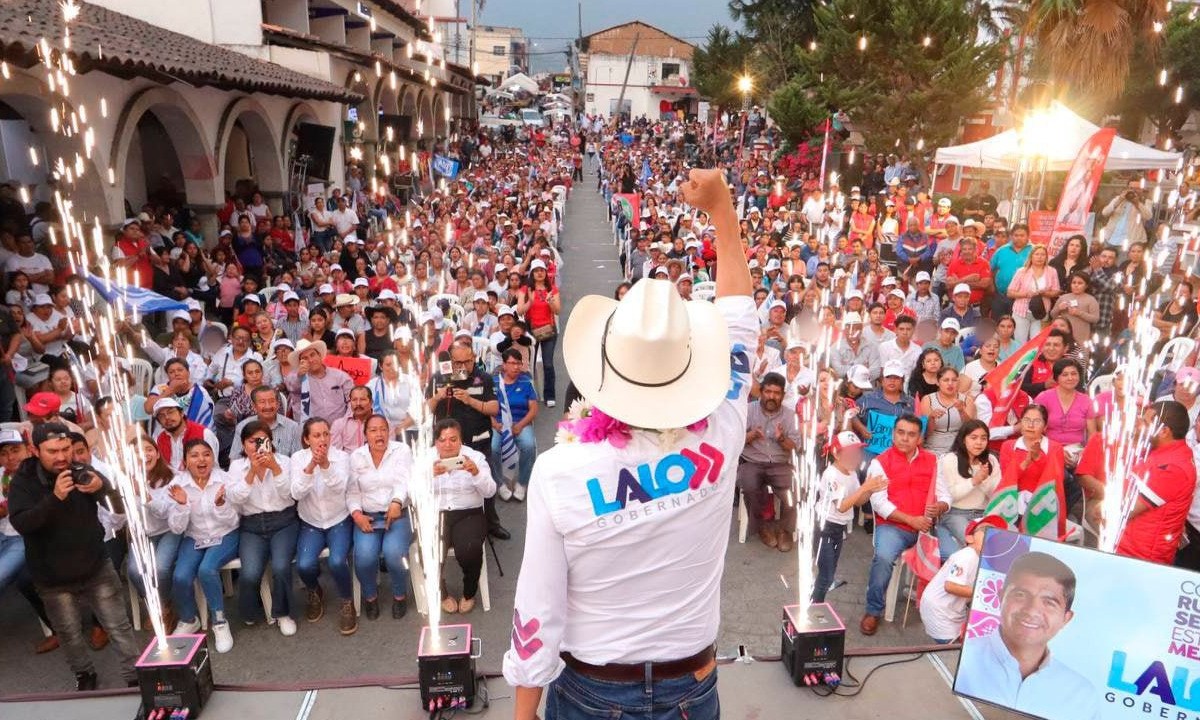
160 152
247 149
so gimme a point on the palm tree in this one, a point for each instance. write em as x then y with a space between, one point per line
998 17
1087 45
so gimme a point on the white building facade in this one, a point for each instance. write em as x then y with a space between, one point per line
644 68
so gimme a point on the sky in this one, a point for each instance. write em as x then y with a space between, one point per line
553 23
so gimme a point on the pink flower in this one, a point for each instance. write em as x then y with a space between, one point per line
699 426
599 427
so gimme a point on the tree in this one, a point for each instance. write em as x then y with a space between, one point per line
922 69
797 111
775 27
1147 96
717 64
1088 46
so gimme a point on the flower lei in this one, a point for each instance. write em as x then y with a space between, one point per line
586 424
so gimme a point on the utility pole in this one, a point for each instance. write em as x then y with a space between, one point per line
471 50
625 83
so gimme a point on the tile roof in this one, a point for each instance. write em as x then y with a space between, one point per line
124 46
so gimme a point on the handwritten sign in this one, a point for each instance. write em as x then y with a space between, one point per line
360 369
881 425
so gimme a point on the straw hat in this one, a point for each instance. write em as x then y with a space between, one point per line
662 362
319 346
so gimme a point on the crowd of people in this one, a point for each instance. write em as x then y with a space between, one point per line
278 426
883 310
280 419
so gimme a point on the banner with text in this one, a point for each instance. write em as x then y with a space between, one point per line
1080 187
1106 637
444 166
360 369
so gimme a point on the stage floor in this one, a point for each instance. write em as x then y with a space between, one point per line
915 690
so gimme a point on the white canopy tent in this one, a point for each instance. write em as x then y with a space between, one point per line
1060 134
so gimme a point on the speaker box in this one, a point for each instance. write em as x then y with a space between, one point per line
315 141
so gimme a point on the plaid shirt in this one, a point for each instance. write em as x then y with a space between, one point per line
1105 287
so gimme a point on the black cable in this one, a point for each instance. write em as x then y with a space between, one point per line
860 685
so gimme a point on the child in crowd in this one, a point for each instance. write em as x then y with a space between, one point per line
944 602
839 493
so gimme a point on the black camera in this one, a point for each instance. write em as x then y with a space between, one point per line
80 472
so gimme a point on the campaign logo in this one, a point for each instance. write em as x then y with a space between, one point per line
1174 686
676 473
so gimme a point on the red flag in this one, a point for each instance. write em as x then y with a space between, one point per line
1006 379
1079 189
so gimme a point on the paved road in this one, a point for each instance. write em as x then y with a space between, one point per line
758 581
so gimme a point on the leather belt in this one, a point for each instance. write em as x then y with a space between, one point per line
617 672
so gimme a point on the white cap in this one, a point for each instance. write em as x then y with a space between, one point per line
42 299
860 377
897 293
951 219
776 304
290 296
335 266
951 324
961 288
893 368
844 440
344 331
283 342
923 277
194 304
386 294
181 315
505 310
852 318
362 282
325 289
282 288
501 268
773 264
536 264
889 280
164 403
852 294
479 296
971 223
252 297
944 202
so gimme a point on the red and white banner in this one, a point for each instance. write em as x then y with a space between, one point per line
1080 187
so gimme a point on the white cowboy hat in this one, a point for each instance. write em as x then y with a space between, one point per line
319 346
662 362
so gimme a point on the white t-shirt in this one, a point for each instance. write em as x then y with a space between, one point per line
32 265
889 351
974 370
836 486
644 570
942 613
54 347
344 220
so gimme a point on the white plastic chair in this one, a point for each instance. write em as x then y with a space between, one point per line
418 579
1100 384
143 376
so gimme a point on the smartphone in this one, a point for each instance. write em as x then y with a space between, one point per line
454 463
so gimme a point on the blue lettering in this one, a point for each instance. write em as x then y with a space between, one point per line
1178 690
600 506
662 474
646 479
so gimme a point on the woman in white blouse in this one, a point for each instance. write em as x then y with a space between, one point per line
391 393
461 483
156 503
208 522
377 497
260 485
320 474
969 474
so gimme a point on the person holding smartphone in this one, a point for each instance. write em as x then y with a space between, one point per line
377 496
462 481
260 486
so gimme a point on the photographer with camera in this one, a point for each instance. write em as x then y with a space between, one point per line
1127 214
462 392
54 504
462 483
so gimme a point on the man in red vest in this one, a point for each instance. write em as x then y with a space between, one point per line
1166 483
132 252
909 506
175 430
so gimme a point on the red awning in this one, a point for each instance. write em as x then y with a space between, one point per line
672 90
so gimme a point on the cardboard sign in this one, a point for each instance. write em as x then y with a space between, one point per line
360 369
1041 226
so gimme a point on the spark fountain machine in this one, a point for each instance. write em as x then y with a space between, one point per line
446 667
176 679
814 644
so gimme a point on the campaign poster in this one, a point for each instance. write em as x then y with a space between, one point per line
360 369
1079 189
1061 632
629 204
1041 226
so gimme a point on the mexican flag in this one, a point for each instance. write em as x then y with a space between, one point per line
1006 379
1036 510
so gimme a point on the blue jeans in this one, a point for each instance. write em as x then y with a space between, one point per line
828 551
267 535
205 564
527 449
308 563
12 559
393 543
166 549
547 349
573 696
952 530
889 541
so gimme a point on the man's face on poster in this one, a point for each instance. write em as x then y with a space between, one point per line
1033 610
